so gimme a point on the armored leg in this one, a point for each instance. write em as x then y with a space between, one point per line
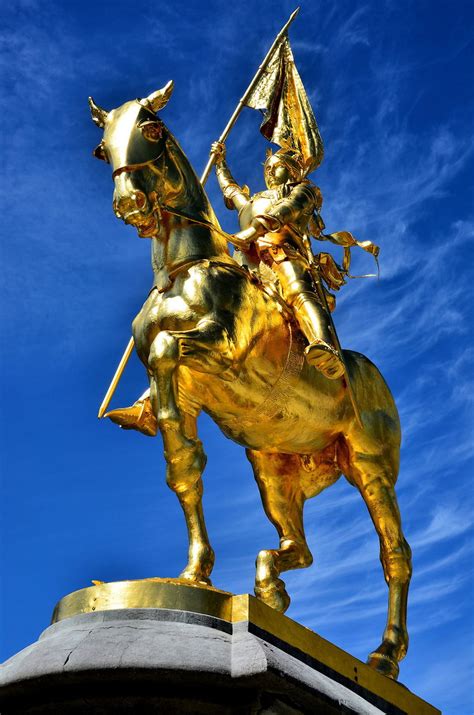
297 290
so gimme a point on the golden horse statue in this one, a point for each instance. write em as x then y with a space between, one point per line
212 338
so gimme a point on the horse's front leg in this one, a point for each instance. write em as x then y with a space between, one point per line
184 454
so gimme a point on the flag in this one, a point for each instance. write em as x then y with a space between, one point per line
289 120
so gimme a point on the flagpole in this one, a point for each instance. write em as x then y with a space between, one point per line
248 92
205 175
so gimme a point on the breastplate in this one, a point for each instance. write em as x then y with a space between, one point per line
259 204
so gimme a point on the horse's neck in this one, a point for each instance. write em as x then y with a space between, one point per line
182 240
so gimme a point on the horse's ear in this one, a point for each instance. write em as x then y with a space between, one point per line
159 99
99 115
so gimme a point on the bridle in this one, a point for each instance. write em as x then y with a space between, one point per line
131 168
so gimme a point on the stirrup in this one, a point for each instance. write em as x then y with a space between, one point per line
325 359
139 416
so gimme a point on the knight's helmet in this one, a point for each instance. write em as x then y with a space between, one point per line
293 160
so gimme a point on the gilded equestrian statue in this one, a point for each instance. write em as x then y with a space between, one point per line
213 337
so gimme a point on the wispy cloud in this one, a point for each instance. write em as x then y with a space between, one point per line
398 149
445 523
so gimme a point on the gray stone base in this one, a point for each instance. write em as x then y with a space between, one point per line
168 661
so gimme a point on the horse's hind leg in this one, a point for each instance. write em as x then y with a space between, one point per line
184 454
374 474
277 476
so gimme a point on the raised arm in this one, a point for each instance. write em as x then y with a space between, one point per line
235 196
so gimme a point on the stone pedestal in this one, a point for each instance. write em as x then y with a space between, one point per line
195 650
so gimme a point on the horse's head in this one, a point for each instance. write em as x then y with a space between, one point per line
134 139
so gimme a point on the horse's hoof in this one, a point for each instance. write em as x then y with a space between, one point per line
193 578
139 416
274 595
384 664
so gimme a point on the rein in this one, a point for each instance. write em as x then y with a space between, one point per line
199 222
365 245
267 288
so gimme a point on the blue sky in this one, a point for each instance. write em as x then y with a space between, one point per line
391 85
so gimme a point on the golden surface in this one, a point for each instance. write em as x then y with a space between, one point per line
174 594
292 122
147 593
216 337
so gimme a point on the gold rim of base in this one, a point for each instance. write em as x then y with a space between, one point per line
178 594
168 593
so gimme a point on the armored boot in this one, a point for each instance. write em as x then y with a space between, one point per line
139 416
297 289
313 321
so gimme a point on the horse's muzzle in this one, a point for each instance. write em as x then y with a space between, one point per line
134 209
134 203
146 225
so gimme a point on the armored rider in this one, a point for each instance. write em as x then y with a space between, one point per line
273 223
